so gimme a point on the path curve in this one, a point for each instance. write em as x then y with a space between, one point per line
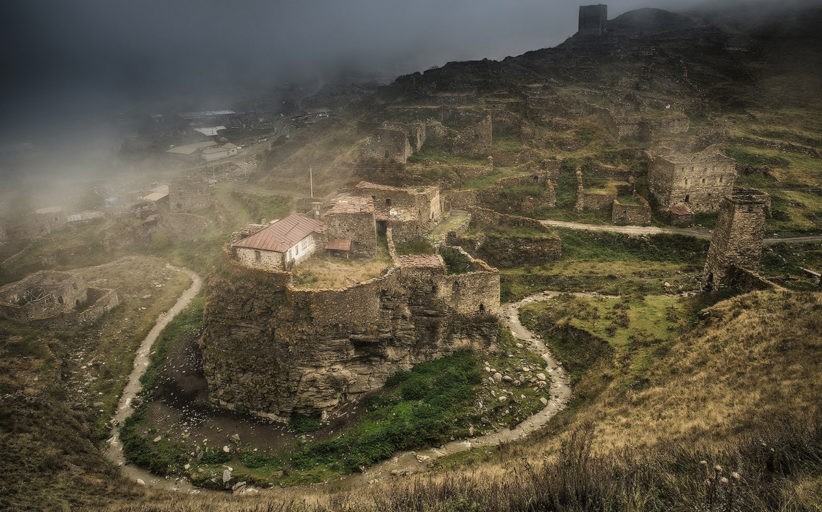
655 230
114 452
402 463
414 461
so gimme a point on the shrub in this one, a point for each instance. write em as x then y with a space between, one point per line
455 261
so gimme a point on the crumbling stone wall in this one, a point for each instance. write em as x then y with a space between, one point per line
699 180
476 140
737 238
386 145
41 222
501 196
274 350
598 201
55 300
507 251
634 214
188 195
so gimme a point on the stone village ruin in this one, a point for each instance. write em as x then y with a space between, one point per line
309 351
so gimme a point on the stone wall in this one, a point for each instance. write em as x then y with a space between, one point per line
359 227
475 140
634 214
41 295
737 238
599 201
386 145
55 300
500 195
273 350
100 301
507 251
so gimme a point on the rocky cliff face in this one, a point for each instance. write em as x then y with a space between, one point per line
273 350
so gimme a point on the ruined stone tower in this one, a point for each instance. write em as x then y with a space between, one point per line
736 244
592 19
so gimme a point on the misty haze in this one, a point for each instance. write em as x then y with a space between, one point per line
416 256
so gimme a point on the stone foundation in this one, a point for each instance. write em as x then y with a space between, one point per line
633 214
274 350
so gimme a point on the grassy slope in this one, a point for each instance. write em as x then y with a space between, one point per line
60 389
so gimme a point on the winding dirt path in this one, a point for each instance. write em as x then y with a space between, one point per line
114 453
403 463
655 230
414 461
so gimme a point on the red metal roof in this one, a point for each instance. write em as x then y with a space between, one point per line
282 235
681 209
338 244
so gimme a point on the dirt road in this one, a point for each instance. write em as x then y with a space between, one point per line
114 453
654 230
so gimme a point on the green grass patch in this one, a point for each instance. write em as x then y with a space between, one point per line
455 261
418 246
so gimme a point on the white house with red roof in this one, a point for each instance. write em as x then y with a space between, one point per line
280 245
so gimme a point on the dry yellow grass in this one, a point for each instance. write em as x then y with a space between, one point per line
754 358
323 271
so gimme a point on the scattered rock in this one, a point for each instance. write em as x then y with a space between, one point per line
226 449
239 486
544 401
140 481
542 377
187 466
226 476
235 438
157 439
503 398
498 377
506 378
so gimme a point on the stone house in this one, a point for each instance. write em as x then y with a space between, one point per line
387 145
699 180
281 244
351 227
409 211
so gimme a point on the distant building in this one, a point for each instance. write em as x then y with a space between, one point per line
191 149
210 131
592 20
217 153
697 180
42 222
85 216
281 244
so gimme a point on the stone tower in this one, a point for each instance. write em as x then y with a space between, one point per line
592 19
737 239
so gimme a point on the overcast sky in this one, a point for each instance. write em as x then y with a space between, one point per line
56 53
61 57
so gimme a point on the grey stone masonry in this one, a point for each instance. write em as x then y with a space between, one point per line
737 237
